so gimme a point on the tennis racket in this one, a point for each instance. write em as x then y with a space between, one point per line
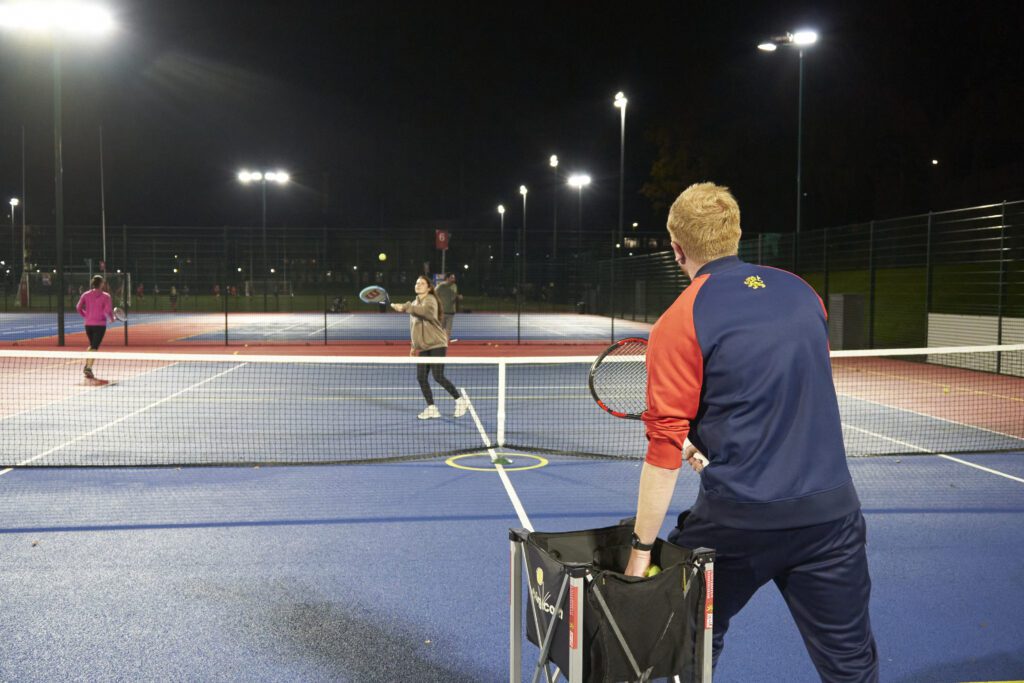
618 382
374 294
120 314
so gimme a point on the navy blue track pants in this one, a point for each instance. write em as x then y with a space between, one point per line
822 573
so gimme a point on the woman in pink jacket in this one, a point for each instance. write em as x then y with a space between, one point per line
97 308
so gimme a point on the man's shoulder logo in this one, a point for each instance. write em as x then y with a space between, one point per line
755 282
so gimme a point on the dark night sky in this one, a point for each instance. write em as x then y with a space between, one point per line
389 112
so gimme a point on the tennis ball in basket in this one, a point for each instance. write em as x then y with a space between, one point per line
653 570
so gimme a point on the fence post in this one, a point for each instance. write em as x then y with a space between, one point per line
126 281
824 256
225 287
871 285
1002 284
928 277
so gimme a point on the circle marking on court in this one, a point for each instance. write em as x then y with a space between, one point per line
453 462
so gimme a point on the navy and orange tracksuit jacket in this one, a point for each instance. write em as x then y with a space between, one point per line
740 364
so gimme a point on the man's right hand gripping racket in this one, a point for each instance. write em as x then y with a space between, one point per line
618 382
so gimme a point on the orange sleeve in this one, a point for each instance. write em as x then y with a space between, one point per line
675 374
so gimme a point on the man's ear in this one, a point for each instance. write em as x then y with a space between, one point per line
680 254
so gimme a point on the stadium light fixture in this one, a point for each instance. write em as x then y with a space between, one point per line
579 180
800 40
553 161
804 38
45 19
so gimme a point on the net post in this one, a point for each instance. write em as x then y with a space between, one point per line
502 370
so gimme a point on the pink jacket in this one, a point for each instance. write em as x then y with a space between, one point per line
96 307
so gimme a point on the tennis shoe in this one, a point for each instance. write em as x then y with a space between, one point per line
88 373
461 406
429 413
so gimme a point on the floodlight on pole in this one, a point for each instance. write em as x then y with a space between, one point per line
57 18
14 203
57 21
553 162
522 236
579 181
798 39
501 238
279 177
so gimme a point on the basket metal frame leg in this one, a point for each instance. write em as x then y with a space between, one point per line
515 612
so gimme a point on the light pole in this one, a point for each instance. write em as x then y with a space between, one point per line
522 238
262 177
579 181
553 161
57 21
799 40
620 104
14 202
501 243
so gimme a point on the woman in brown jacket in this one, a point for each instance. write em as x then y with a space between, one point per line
426 326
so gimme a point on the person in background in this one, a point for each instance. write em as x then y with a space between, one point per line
448 294
429 339
740 365
97 308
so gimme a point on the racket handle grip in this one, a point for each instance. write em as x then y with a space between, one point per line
698 456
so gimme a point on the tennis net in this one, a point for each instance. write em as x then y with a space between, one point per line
185 409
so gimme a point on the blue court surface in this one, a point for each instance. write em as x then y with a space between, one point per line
300 328
399 571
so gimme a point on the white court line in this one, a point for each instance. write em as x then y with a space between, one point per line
930 417
937 454
516 503
87 389
321 329
125 417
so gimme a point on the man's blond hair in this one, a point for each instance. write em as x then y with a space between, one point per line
705 221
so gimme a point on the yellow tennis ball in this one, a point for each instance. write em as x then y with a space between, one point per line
653 570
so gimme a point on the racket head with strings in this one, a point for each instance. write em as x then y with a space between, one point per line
120 314
618 378
374 294
618 382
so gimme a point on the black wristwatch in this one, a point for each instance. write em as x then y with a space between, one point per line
640 545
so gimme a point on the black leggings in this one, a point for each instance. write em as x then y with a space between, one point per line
423 369
95 334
